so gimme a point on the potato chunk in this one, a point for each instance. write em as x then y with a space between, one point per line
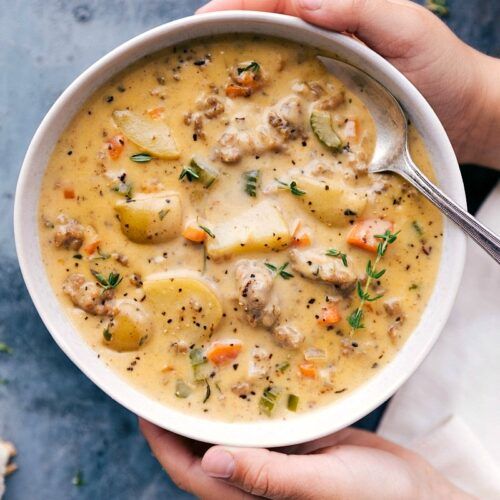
151 218
153 136
186 302
130 327
259 228
332 202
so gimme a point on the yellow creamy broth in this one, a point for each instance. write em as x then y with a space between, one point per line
81 166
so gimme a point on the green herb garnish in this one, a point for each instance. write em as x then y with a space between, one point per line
141 157
201 368
268 400
439 7
101 255
253 67
208 392
294 189
279 270
182 390
413 286
251 182
212 235
355 319
162 213
78 479
189 173
112 281
124 188
293 402
5 348
333 252
417 228
283 367
107 334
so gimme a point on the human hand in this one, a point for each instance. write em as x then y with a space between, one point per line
349 464
458 81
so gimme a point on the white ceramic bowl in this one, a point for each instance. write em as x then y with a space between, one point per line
268 432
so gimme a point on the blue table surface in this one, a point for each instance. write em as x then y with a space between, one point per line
61 422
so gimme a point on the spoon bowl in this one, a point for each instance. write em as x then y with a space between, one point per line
391 150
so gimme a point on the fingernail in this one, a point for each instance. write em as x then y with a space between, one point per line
217 462
310 4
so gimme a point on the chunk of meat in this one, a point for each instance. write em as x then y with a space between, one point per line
241 388
255 287
211 106
332 102
231 145
392 307
287 118
69 235
315 265
88 296
287 336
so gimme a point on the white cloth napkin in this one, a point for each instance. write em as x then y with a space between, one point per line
449 411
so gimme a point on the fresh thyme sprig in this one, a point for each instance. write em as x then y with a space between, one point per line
333 252
254 67
251 182
294 189
279 270
355 319
112 281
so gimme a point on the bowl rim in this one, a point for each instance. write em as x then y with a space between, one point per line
263 433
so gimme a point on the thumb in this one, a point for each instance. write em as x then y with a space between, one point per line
265 473
390 27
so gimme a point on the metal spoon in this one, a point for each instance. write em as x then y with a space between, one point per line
391 150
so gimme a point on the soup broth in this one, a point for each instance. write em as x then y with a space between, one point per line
209 224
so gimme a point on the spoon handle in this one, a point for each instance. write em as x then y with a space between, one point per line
469 224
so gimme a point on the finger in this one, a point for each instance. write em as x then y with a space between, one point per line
266 473
279 6
344 471
183 466
373 21
350 436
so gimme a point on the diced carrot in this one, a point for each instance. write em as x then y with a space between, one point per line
194 234
167 368
237 91
363 232
156 112
308 370
91 247
115 146
301 236
69 193
220 353
329 315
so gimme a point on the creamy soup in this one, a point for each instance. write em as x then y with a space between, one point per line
208 223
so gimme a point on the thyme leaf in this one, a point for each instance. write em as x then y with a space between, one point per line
112 281
254 67
279 271
207 230
333 252
294 189
141 157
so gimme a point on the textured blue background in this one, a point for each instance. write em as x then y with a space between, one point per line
59 420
